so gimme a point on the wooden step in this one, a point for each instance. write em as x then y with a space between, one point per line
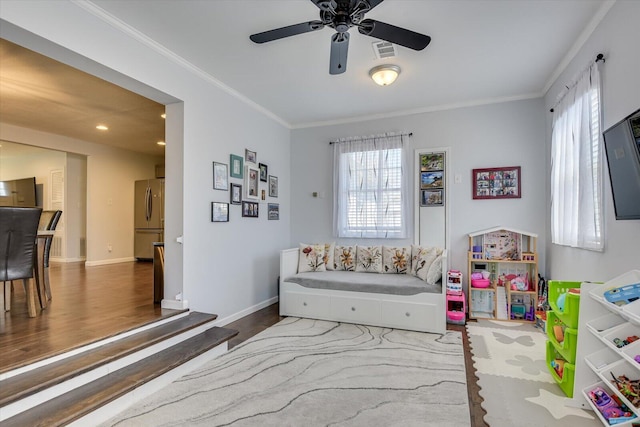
21 386
83 400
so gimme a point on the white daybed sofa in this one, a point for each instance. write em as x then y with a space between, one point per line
415 305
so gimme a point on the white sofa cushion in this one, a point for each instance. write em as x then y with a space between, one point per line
421 260
311 258
396 260
345 258
369 259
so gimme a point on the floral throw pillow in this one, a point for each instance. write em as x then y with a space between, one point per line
311 258
421 260
345 258
435 271
329 250
396 260
369 259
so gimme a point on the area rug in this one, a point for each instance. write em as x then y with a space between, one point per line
517 388
303 372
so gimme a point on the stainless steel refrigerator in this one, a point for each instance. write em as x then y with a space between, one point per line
149 217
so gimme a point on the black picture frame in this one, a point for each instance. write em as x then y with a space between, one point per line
250 209
263 172
219 212
236 194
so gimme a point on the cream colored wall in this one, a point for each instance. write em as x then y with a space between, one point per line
110 176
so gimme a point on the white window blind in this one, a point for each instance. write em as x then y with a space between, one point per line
370 188
576 169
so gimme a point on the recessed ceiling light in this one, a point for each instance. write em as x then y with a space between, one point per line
161 143
163 115
102 127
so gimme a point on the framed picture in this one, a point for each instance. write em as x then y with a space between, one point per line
430 180
496 183
236 194
250 209
251 181
273 211
431 162
220 176
250 156
263 172
432 197
219 212
236 166
273 186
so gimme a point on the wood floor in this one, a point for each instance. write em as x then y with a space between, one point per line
90 303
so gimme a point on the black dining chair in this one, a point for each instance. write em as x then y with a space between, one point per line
18 232
47 250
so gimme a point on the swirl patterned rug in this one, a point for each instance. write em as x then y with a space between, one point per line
510 362
303 372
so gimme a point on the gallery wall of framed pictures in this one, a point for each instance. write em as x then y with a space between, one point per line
254 185
432 189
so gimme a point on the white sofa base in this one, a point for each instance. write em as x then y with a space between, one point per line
424 312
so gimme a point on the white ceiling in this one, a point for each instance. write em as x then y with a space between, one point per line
482 51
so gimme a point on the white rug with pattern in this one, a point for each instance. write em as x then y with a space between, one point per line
304 372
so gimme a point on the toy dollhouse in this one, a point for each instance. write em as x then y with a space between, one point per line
502 271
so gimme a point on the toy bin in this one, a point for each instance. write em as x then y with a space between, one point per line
569 371
567 346
568 316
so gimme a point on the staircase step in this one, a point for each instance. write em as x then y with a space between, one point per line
83 400
27 384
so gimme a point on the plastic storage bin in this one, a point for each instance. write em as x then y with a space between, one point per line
569 371
566 348
568 316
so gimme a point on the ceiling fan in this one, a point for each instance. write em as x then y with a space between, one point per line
341 15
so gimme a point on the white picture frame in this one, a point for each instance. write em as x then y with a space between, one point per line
251 183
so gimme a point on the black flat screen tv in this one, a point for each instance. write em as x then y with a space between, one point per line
622 145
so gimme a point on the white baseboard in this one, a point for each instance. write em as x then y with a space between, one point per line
108 261
174 304
245 312
65 260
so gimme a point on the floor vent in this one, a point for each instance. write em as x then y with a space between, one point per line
56 247
384 50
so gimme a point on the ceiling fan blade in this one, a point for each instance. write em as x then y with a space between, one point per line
339 50
328 5
374 3
393 34
291 30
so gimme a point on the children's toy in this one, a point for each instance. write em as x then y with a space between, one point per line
456 308
558 332
629 388
558 366
561 300
454 282
613 411
637 358
623 295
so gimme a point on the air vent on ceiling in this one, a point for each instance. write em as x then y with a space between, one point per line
384 49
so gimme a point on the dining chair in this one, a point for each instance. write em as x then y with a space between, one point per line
18 231
47 250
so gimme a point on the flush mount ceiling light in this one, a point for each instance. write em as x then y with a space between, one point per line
102 127
384 75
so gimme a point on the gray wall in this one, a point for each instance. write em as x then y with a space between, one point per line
505 134
617 37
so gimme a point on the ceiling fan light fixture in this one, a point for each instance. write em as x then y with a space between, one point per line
102 127
384 75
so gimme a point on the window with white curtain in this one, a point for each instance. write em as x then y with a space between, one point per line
370 188
576 168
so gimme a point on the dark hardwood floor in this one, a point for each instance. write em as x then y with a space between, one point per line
91 303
